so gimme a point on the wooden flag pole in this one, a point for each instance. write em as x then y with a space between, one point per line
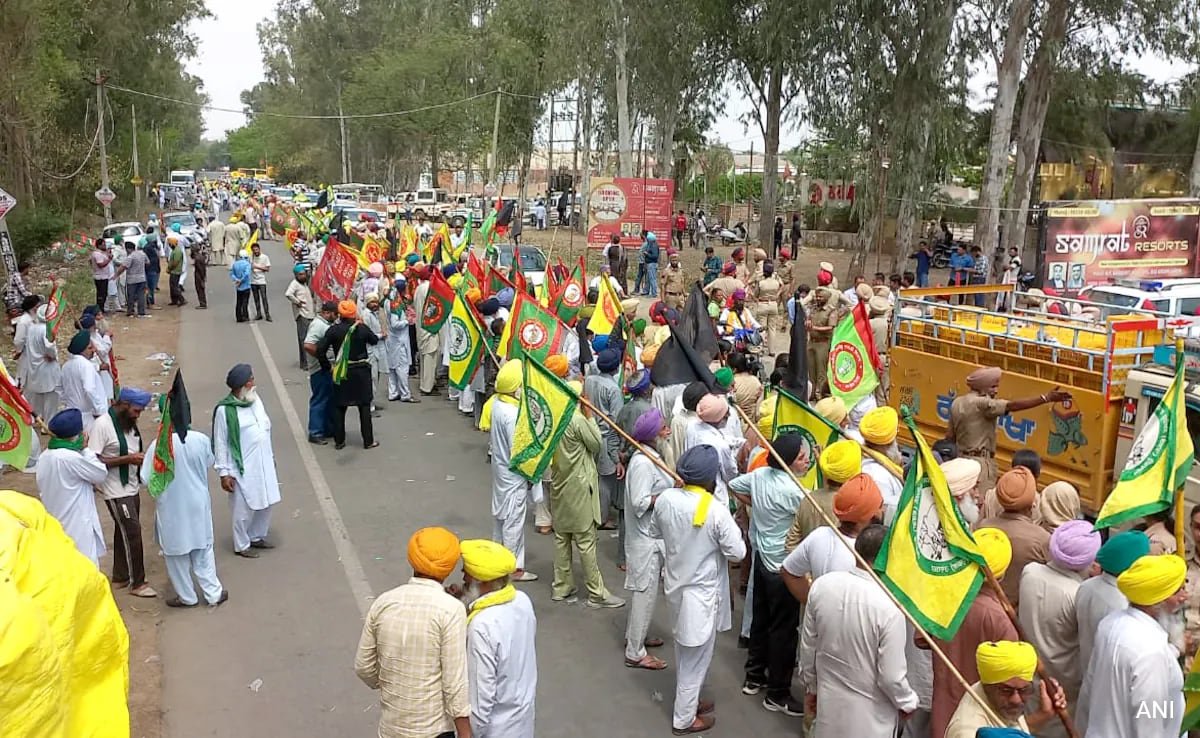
866 566
1180 504
656 460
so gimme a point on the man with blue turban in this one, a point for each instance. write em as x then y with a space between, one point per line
82 388
699 539
115 438
67 475
601 389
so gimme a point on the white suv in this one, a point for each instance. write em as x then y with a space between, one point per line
1169 296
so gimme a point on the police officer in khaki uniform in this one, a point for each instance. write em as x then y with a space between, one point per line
767 292
673 281
784 271
822 319
756 269
741 270
881 334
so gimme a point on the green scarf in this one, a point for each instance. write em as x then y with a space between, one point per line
75 444
123 444
233 429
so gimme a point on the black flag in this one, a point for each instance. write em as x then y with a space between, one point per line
504 217
180 407
323 200
685 356
795 379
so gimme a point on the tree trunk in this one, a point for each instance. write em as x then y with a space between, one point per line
1008 77
624 125
585 170
1038 83
1194 190
774 101
914 176
345 142
434 164
664 154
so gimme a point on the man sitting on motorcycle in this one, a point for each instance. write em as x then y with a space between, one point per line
736 323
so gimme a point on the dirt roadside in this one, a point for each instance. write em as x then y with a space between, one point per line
133 340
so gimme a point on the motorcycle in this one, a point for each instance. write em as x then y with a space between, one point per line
941 254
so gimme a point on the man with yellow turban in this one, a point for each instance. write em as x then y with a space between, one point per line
1133 685
852 661
501 631
973 417
413 647
839 461
510 490
985 621
1016 491
879 429
1006 670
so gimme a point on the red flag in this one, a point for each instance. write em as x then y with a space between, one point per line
475 272
496 281
10 395
515 274
571 294
532 331
334 276
438 302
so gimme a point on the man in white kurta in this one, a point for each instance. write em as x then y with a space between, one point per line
501 636
245 461
67 474
428 344
45 376
29 308
1133 685
852 660
82 389
708 428
699 539
509 489
1099 596
398 350
643 552
183 521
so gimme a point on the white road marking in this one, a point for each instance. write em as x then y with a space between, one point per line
347 554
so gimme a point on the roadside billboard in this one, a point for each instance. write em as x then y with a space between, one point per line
629 206
1090 242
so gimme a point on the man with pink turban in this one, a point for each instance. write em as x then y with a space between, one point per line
712 414
973 417
1016 491
1047 609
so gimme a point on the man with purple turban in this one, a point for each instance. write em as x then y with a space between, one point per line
644 482
973 416
1047 608
737 317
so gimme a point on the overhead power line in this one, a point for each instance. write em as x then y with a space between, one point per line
350 116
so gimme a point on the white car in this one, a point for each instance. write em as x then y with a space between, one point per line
188 225
118 232
533 262
1168 296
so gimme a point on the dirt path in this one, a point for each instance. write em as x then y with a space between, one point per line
134 340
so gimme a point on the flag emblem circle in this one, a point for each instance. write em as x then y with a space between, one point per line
572 295
933 551
533 335
540 418
10 436
809 448
51 311
1149 446
460 343
847 364
433 311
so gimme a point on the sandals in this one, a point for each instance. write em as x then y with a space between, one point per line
647 662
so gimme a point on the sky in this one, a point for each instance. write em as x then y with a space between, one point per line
229 61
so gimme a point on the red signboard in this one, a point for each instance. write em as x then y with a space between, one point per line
334 276
1093 242
629 207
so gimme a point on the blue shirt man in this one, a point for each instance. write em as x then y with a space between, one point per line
240 273
924 259
961 265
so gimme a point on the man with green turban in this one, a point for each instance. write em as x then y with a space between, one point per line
1098 596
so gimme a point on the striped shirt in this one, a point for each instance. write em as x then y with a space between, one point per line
413 649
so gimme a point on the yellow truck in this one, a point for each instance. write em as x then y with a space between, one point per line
1108 365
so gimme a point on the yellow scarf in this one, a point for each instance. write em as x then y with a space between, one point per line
706 499
885 462
485 415
499 597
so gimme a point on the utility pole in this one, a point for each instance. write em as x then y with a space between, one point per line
550 153
495 162
345 146
137 175
103 151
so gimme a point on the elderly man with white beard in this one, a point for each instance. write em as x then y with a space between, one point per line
245 461
879 428
962 477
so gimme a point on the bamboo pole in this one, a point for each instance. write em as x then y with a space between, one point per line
1180 505
866 566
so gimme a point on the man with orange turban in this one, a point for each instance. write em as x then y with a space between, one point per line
413 647
856 504
1016 491
354 388
1133 684
973 417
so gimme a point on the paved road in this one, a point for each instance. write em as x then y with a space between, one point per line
294 615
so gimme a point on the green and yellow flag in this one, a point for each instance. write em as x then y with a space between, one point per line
794 416
466 344
341 365
547 405
853 363
1159 460
1191 693
928 560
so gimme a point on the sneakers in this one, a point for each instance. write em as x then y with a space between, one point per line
608 603
569 598
787 705
752 687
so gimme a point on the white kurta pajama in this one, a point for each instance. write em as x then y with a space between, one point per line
183 518
700 433
852 657
399 356
83 390
696 585
103 361
509 489
45 376
1133 686
256 488
502 669
643 552
66 482
22 331
1096 598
